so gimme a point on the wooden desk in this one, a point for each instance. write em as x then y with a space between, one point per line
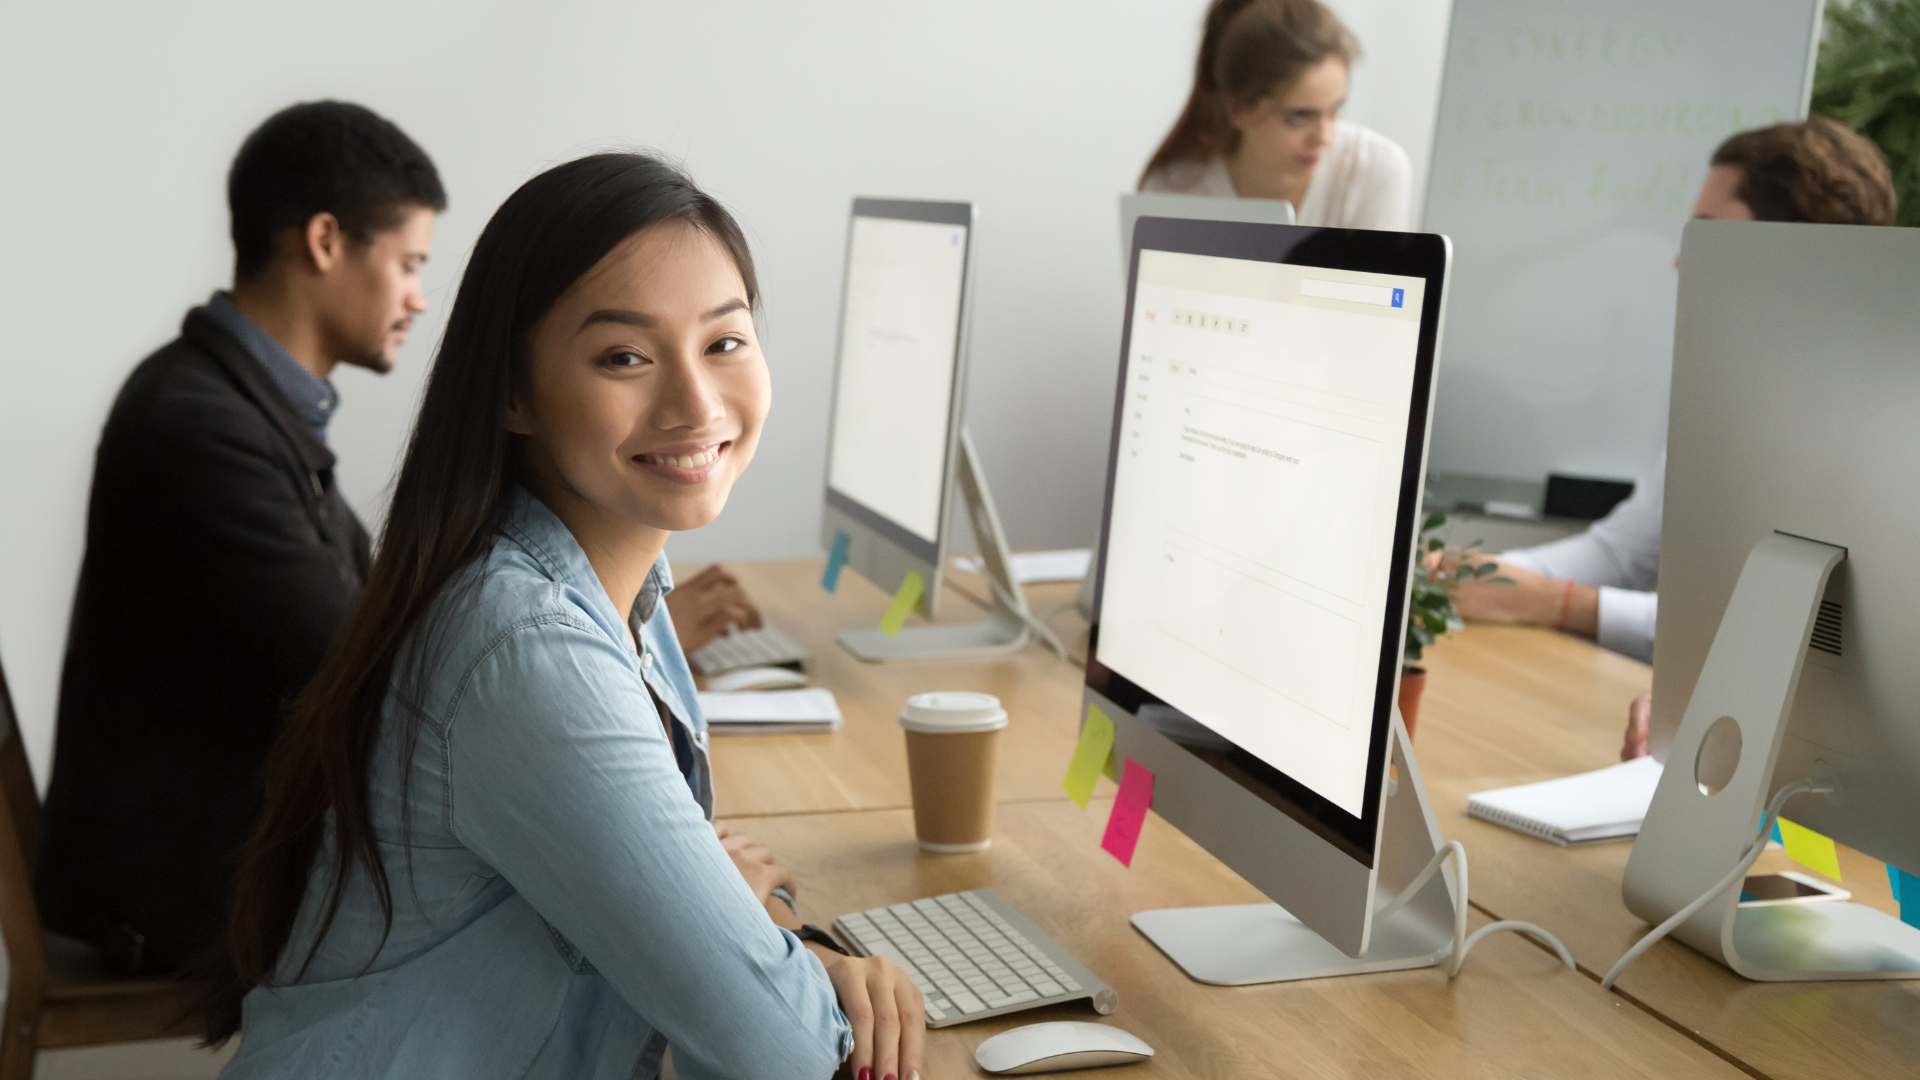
1503 706
863 766
1511 706
1515 1011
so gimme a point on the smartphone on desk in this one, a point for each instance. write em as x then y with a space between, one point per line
1787 887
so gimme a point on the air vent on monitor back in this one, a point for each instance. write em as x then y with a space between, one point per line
1826 628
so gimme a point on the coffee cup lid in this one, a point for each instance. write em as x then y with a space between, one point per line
953 712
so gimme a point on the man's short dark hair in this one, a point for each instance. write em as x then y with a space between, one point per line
324 157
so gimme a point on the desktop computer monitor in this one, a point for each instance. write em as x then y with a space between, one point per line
1796 393
1268 445
896 445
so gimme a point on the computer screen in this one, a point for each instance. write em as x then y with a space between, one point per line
1261 471
899 340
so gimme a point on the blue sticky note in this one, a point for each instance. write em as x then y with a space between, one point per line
836 559
1906 889
1776 833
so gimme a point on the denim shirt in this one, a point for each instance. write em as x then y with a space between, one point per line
561 906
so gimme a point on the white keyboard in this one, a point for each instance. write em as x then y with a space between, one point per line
765 647
973 956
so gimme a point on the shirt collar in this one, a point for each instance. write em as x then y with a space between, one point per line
538 529
314 398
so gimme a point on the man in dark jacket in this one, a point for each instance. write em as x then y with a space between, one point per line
221 559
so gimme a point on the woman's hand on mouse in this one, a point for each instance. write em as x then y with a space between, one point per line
888 1016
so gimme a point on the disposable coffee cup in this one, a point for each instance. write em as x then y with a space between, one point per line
953 742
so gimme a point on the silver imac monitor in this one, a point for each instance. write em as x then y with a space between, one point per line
896 446
1788 644
1269 438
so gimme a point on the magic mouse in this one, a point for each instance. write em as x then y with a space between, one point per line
1059 1046
756 678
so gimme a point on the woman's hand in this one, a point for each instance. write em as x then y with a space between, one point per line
889 1019
1639 740
755 863
706 605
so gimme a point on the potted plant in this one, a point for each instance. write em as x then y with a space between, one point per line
1868 78
1438 570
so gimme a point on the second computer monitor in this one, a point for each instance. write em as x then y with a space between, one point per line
899 389
1269 438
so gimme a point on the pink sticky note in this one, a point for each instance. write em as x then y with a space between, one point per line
1129 812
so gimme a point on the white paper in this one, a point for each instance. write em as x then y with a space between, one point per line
1604 804
1033 566
812 707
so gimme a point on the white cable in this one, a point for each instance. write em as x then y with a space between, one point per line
1040 630
1462 943
1747 859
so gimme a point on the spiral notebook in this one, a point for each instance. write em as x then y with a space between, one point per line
768 712
1606 804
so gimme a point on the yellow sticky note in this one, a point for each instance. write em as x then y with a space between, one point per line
1092 757
903 602
1810 849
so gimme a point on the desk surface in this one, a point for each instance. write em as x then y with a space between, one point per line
1503 706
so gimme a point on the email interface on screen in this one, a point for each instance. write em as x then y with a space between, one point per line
1255 497
899 329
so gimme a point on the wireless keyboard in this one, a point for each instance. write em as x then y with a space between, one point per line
973 956
765 647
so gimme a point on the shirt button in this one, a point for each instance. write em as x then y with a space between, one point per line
646 660
700 738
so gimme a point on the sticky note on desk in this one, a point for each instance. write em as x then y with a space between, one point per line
903 602
1810 849
1129 812
836 559
1906 892
1093 756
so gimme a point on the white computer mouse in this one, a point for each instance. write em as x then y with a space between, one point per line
1059 1046
756 678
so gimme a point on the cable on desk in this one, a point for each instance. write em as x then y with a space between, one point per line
1462 941
1747 859
1040 630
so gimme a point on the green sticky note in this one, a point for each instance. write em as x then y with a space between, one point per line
903 602
1810 849
1092 757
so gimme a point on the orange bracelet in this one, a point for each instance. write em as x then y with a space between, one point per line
1566 606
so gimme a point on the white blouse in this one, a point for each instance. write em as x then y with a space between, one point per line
1363 181
1620 553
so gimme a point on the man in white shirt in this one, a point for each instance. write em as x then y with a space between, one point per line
1600 583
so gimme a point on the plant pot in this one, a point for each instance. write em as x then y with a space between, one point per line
1413 682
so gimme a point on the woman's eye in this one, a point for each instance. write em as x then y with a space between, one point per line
726 345
626 359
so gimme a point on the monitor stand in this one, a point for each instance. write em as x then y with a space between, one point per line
1261 943
1004 630
1691 839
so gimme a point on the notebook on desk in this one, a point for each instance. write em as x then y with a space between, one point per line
1606 804
768 712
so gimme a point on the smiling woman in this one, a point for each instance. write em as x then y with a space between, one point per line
487 846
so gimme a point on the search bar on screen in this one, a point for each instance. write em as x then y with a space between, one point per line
1353 293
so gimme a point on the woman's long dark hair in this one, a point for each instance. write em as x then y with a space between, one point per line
446 509
1248 49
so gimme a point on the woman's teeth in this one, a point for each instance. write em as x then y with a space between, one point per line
682 461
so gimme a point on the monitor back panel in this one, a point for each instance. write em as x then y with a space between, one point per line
1796 398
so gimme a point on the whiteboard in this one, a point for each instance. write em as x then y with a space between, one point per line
1571 141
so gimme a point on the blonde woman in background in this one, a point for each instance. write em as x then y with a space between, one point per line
1263 121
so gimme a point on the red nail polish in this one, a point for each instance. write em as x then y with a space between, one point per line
866 1073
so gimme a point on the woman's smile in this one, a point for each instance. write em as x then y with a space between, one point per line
684 464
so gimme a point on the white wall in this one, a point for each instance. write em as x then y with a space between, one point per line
118 123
